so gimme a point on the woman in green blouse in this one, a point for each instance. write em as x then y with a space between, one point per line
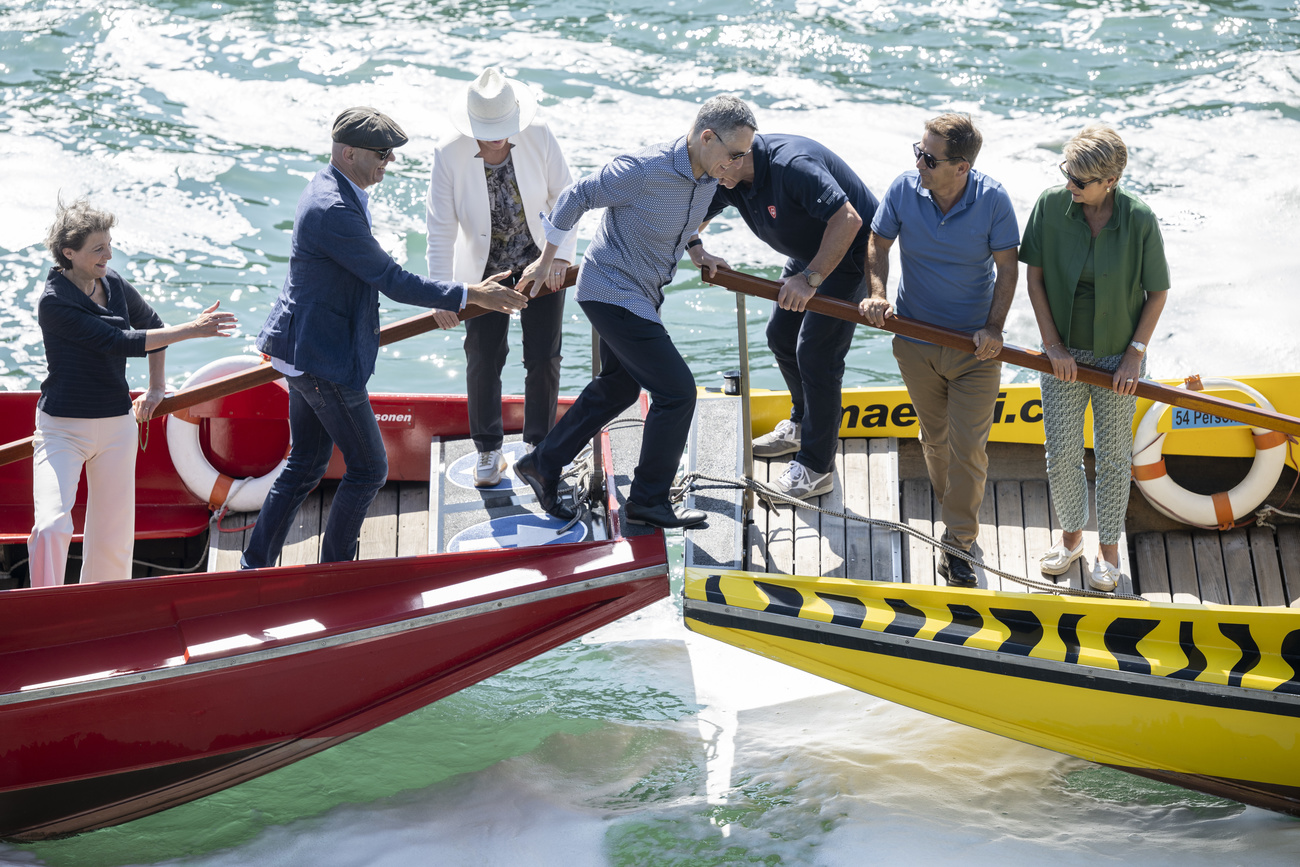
1097 280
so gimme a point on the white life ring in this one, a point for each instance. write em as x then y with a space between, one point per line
219 489
1210 511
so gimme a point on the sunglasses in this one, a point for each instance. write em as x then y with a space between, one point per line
384 153
930 159
1072 179
732 156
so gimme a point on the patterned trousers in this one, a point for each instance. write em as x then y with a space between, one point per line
1064 406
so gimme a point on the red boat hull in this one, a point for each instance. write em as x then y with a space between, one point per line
120 700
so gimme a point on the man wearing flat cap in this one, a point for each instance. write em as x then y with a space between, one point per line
323 335
490 184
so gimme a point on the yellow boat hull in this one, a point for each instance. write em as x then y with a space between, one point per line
1207 697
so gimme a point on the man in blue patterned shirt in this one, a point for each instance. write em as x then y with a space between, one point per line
655 200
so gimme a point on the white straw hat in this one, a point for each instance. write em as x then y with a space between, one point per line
494 107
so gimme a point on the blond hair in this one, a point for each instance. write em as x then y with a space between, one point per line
1096 152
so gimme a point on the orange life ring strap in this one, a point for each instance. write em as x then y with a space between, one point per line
184 415
1146 472
220 490
1269 440
1222 510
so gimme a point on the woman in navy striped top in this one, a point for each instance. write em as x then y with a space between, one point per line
91 321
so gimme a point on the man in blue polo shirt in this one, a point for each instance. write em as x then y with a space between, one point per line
805 202
958 238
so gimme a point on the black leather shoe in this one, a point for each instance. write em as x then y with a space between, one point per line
663 516
957 572
547 495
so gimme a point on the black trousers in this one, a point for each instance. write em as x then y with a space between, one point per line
486 347
635 353
810 350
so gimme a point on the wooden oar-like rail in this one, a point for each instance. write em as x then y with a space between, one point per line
264 373
748 284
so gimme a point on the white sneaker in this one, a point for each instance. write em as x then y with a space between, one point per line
783 440
801 483
488 470
1104 576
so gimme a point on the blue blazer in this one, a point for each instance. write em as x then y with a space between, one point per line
326 319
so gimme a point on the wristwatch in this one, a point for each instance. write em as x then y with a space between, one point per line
814 279
1139 346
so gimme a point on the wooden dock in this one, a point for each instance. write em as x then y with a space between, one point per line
446 513
885 478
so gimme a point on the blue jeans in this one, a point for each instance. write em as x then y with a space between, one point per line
635 353
321 414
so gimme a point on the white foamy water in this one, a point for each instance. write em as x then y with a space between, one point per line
199 125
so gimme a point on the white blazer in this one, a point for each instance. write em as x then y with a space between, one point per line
460 224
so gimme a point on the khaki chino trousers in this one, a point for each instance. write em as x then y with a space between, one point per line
953 393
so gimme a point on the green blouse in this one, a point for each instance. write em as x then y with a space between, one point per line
1129 261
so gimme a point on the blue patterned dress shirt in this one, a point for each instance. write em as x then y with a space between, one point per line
653 205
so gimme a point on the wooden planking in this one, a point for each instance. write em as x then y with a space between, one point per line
833 529
413 519
940 528
302 544
1237 568
1038 525
1288 549
1073 576
916 509
1017 524
1181 558
1152 577
857 501
225 548
378 538
780 529
986 543
1263 555
1209 566
807 539
757 553
882 468
1011 532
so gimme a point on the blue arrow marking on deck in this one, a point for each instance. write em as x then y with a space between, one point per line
515 531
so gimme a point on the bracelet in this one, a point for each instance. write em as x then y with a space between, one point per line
694 242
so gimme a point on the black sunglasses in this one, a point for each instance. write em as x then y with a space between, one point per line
732 155
384 153
930 159
1072 179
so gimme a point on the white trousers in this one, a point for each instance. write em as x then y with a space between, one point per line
106 447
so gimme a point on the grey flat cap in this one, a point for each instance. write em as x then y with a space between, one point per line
365 127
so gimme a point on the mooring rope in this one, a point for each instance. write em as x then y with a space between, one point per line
772 497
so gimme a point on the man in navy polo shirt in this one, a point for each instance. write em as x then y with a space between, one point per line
806 203
958 236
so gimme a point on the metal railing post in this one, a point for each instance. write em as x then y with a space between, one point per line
746 437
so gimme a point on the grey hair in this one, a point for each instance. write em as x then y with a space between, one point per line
724 114
73 224
1096 151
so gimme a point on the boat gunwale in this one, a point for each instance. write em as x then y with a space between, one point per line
136 678
1162 687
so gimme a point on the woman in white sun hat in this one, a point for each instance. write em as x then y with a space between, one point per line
489 186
